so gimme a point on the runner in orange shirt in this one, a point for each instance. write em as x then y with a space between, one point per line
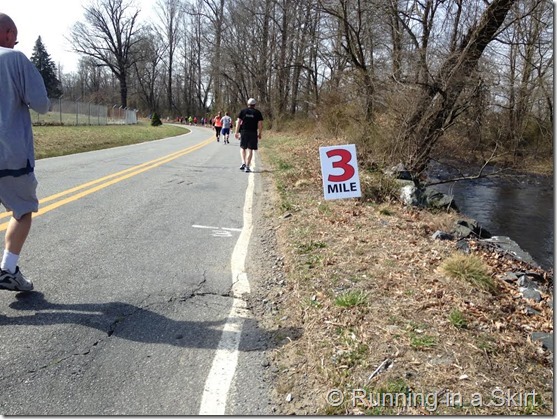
217 123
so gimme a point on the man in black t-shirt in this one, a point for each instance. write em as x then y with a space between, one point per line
250 124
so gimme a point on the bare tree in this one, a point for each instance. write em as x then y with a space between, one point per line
197 58
529 59
479 71
249 46
170 17
213 12
194 68
148 71
436 107
304 54
396 34
354 18
109 35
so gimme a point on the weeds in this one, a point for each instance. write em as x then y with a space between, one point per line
313 303
377 187
422 341
457 319
313 261
533 405
309 247
351 299
469 268
384 399
325 209
283 166
386 211
486 344
351 358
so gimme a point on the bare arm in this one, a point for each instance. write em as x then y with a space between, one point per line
238 123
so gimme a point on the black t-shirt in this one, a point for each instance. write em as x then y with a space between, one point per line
250 118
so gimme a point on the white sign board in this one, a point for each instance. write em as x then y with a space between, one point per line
339 167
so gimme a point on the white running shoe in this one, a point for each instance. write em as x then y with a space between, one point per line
14 281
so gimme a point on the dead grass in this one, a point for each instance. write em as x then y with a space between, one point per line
365 283
469 268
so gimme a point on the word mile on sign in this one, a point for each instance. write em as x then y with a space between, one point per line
339 167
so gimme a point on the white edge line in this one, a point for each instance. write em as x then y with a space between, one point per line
217 386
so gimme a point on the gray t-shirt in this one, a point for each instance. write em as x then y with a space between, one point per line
226 121
21 88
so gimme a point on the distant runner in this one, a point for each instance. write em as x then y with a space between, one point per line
226 124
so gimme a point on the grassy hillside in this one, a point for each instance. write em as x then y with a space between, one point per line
53 141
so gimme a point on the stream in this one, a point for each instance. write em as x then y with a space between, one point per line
519 206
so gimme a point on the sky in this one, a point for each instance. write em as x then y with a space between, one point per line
52 20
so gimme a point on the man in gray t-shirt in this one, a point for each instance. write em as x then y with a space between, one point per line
226 125
22 89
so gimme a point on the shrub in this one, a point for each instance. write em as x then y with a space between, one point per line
155 120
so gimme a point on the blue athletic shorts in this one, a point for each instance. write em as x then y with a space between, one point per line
225 131
19 194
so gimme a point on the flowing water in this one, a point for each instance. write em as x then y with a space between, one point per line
520 207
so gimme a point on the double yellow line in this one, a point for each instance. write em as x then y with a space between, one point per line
104 182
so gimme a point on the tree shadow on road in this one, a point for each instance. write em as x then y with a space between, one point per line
130 322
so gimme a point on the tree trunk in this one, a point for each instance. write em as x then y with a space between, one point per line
123 89
437 102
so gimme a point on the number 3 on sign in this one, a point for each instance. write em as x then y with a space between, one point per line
339 167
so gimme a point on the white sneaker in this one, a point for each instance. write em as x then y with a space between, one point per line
14 281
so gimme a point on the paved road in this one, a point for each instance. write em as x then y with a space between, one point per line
134 255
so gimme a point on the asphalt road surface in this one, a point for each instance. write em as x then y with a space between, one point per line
137 256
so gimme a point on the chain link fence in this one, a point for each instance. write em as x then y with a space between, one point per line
65 112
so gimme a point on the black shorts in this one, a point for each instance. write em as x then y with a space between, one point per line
248 139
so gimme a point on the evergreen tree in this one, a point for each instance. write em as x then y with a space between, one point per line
46 67
155 120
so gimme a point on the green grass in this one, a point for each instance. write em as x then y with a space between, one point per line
324 209
390 396
283 165
486 344
351 299
309 247
422 341
471 269
457 319
51 141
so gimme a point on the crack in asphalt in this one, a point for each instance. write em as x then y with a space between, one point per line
122 317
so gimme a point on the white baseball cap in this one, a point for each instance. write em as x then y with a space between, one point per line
251 101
